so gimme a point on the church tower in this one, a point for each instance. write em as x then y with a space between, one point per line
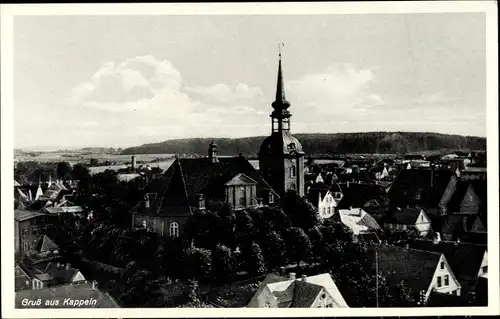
281 158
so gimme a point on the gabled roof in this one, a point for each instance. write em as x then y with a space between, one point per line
358 220
357 194
188 177
406 216
299 293
415 267
431 185
62 274
47 245
464 258
460 190
240 179
16 184
21 215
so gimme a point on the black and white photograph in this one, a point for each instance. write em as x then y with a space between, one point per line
286 155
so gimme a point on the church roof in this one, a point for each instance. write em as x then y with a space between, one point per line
281 142
187 178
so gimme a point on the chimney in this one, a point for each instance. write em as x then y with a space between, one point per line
282 271
134 163
350 207
68 266
212 153
292 276
304 278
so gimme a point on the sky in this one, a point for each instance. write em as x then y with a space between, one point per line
119 81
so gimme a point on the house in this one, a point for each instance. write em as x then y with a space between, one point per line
192 183
421 188
83 295
370 197
43 275
468 261
460 206
323 198
379 172
421 271
409 218
28 227
359 221
317 291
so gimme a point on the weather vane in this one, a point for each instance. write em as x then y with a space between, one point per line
280 45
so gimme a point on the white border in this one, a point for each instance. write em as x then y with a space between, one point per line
9 11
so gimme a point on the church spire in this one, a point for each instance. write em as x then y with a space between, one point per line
280 102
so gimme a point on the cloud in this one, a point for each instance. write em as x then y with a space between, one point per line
340 88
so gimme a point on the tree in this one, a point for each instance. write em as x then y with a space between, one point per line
298 245
223 266
274 251
301 213
316 237
64 170
254 260
198 263
244 228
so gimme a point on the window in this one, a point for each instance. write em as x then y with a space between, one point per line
446 280
329 305
439 284
324 210
292 186
201 202
329 210
442 265
174 229
485 269
292 171
145 224
25 232
271 198
267 305
243 197
323 296
416 196
25 246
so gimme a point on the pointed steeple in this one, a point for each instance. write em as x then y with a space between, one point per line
280 102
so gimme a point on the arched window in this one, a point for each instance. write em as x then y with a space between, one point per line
292 171
174 229
243 196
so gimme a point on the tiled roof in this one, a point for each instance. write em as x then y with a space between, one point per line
357 194
304 294
64 209
406 216
47 245
464 259
62 274
188 177
21 215
430 183
299 293
82 291
358 220
459 191
415 267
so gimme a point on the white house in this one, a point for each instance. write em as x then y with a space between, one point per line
405 219
359 221
317 291
423 271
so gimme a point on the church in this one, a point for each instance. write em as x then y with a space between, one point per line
281 157
190 184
